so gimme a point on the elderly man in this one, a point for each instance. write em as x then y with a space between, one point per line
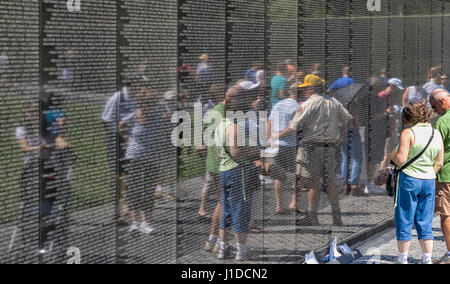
322 128
440 102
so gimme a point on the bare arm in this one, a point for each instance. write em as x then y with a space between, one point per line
400 157
286 132
405 98
439 161
269 129
26 148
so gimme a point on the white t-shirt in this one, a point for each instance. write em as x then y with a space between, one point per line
119 102
282 114
415 96
32 141
429 88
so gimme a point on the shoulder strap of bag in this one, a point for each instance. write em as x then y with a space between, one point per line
420 154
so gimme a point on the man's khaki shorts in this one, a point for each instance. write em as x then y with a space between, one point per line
443 199
316 162
283 164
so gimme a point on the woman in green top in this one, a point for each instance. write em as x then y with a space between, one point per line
415 197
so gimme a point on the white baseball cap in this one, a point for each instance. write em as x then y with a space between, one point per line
169 95
396 82
248 85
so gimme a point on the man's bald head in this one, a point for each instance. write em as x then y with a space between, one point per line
439 101
438 94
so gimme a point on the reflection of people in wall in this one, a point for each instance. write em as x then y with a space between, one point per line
31 143
393 121
279 85
343 82
54 120
118 106
322 128
204 73
414 94
434 83
444 82
58 162
282 163
238 174
144 158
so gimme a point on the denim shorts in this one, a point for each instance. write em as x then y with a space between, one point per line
415 206
237 186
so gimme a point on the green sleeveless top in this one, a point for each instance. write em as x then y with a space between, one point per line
212 160
226 162
423 167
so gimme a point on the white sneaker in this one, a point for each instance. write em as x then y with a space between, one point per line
134 227
209 246
375 190
265 180
213 247
146 228
242 255
224 252
216 248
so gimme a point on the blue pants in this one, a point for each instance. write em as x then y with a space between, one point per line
237 185
415 205
352 152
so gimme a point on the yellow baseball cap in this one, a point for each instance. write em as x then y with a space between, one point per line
203 56
312 80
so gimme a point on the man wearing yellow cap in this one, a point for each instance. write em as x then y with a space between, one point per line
321 127
204 73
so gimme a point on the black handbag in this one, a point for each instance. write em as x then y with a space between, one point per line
392 181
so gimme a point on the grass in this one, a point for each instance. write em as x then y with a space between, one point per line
87 136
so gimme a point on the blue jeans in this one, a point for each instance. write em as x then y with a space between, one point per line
352 151
415 205
237 185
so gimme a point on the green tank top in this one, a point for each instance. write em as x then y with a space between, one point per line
226 162
423 167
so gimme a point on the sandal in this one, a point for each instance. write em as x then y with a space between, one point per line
203 217
283 212
255 230
298 211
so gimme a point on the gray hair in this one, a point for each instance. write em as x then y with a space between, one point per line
439 94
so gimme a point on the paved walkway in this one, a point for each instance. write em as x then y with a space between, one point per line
382 248
179 236
285 239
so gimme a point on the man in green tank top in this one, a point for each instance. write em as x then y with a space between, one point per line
440 102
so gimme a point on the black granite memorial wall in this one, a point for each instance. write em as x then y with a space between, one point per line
93 91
